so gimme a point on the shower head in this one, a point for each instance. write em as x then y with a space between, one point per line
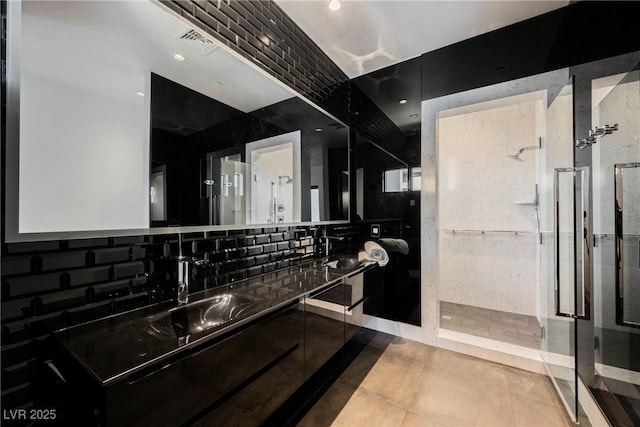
522 150
289 180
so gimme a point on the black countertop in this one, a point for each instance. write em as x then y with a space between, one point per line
118 346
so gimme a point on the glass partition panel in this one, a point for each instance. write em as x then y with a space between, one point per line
616 229
559 259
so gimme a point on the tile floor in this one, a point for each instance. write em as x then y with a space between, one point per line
511 328
398 382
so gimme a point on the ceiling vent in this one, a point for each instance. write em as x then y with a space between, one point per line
198 41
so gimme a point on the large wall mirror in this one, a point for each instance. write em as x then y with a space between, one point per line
122 118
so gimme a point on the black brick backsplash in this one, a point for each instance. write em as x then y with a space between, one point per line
16 308
129 269
85 276
31 284
15 248
110 255
110 290
17 265
50 285
59 300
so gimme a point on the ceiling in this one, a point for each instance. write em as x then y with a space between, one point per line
367 35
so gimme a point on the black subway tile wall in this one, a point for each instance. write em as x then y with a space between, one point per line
50 285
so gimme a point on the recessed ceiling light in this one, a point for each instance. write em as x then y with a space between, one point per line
334 5
403 101
179 58
318 129
140 93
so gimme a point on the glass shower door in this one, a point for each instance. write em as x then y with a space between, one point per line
561 213
225 189
616 226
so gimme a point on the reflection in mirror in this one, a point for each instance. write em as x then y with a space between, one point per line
383 181
85 79
388 182
281 163
83 117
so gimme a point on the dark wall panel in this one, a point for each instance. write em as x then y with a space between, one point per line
582 32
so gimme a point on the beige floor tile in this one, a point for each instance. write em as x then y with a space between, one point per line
468 367
329 406
531 386
532 413
402 383
402 347
393 378
412 350
413 419
366 410
360 367
381 340
458 401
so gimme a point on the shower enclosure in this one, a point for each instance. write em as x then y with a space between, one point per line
488 155
548 243
590 265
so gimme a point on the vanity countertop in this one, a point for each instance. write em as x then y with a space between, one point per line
120 345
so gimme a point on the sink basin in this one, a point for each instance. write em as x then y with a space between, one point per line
201 315
344 263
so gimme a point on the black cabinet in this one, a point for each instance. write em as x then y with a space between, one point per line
240 377
323 326
182 390
355 297
265 392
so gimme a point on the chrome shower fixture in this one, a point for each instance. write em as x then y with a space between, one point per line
594 134
522 150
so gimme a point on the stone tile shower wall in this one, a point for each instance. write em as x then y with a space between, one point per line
498 194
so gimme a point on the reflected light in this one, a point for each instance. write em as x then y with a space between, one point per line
334 5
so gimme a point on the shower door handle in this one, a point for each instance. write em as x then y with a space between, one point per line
619 245
575 246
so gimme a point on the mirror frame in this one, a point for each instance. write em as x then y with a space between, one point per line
12 150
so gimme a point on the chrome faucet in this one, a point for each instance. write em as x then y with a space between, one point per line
183 275
327 243
183 281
